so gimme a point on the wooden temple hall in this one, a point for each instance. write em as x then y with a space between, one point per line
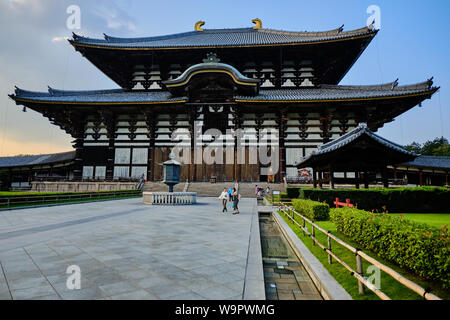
242 79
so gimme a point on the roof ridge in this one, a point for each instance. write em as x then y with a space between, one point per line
382 86
59 92
333 32
39 155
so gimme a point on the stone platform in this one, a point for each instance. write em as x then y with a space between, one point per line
126 250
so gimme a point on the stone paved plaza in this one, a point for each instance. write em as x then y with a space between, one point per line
126 250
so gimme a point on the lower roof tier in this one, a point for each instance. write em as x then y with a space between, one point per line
326 93
376 105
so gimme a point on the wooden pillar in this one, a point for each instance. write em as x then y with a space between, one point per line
395 174
356 179
446 178
384 174
320 178
10 177
314 178
109 120
237 121
78 162
331 177
366 180
150 121
282 135
50 171
420 178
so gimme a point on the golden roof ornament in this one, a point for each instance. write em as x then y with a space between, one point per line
198 25
258 23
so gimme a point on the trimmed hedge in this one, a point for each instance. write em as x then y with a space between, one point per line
313 210
292 193
420 248
398 200
36 194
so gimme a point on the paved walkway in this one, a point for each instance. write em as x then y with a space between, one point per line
126 250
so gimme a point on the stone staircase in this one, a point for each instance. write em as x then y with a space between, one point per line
207 189
247 189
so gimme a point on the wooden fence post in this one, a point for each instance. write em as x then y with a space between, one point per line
313 234
329 248
359 269
304 226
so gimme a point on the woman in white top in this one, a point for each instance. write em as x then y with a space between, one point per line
224 197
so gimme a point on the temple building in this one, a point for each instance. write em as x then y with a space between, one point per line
243 79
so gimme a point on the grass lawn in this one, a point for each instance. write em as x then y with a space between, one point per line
434 219
69 201
389 286
27 199
25 193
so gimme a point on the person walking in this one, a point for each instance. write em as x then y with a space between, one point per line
224 197
236 198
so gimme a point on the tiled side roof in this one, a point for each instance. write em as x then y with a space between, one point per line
312 94
430 162
356 133
96 96
350 136
19 161
224 37
337 92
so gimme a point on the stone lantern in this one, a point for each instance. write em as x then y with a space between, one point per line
171 172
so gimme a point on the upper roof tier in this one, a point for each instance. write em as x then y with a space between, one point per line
214 38
323 57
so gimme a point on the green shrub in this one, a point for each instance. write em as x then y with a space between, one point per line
284 196
313 210
292 193
420 248
398 200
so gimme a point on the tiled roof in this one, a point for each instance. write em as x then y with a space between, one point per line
351 136
338 92
19 161
311 94
97 96
429 162
224 37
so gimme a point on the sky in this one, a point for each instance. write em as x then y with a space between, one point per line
412 45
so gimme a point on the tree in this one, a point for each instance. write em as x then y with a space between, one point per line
443 150
414 147
437 147
429 147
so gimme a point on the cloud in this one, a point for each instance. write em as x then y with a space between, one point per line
12 147
57 39
37 55
115 17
